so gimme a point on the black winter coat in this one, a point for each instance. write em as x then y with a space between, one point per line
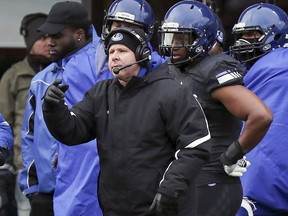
152 136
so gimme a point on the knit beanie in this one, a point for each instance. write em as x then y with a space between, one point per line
29 25
126 37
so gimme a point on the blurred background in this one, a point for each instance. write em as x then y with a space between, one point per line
12 11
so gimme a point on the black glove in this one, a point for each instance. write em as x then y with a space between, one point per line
3 154
54 94
233 154
164 206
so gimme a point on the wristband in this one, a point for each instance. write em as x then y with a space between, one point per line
233 154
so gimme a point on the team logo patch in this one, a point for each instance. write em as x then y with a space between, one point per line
228 75
117 37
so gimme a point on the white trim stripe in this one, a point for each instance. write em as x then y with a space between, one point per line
194 143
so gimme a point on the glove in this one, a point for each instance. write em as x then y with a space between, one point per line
237 170
3 153
54 94
164 206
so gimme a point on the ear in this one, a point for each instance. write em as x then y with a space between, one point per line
80 35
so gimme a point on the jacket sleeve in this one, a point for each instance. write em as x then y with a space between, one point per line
71 127
27 139
6 138
188 128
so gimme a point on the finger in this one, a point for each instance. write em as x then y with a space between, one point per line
236 174
248 163
63 88
57 82
55 92
52 100
242 162
240 169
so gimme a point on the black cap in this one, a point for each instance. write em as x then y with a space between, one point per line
63 14
29 25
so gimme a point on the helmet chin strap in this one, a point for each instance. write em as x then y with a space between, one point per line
178 63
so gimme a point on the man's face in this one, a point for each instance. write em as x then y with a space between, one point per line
62 44
179 51
41 47
120 55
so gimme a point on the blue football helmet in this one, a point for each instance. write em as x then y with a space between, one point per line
136 12
195 22
268 20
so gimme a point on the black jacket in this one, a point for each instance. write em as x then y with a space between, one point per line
138 129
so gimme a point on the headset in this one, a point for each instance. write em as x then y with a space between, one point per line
27 19
142 53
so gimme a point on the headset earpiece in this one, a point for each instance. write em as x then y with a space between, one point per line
142 51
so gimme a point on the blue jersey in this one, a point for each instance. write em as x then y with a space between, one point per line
266 179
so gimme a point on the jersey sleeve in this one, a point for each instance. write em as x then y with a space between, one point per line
222 71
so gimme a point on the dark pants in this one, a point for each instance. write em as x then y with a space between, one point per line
219 199
41 204
7 199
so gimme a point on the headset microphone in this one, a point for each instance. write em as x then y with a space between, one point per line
117 70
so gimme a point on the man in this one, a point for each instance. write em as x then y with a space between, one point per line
151 133
189 31
73 42
16 80
14 88
261 34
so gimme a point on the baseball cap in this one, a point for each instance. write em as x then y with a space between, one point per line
28 28
63 14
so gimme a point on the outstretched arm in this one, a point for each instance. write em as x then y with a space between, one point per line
65 126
